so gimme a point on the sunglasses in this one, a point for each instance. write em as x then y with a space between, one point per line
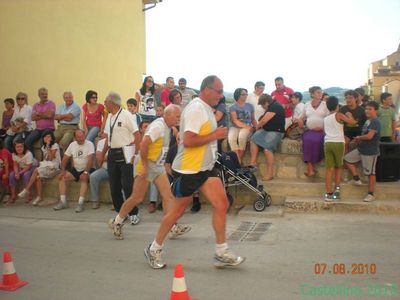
217 91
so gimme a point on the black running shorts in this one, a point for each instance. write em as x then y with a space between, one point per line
186 184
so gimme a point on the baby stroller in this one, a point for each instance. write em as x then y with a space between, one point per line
232 174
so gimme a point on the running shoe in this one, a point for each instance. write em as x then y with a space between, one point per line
134 219
36 201
154 258
116 229
80 208
355 182
369 198
60 206
336 193
23 193
228 259
328 198
179 229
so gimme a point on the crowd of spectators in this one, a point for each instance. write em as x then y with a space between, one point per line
257 119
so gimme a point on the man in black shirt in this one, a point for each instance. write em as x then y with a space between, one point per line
358 113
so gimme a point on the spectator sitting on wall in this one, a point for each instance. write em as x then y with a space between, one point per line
81 151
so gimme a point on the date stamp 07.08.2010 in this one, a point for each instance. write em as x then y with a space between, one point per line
343 290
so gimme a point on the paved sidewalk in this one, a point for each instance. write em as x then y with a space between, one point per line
64 255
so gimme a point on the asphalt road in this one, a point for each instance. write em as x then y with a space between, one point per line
64 255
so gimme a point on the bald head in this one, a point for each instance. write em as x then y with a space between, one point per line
172 115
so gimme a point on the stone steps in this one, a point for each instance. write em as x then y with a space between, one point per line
316 188
317 205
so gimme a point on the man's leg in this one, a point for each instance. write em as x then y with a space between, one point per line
214 191
95 178
139 191
32 138
62 186
163 186
176 211
58 133
114 178
67 138
127 184
83 179
371 183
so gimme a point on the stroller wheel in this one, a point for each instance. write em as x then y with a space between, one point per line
259 204
268 199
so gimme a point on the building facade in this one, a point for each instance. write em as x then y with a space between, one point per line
384 76
71 45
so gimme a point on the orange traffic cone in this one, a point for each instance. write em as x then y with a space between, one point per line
11 281
179 290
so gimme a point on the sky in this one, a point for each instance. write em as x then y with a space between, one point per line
326 43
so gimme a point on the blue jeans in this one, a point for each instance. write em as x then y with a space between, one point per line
32 138
9 140
95 178
93 131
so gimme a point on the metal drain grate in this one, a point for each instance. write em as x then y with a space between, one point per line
249 231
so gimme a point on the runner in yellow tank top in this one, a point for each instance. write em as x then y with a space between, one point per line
194 164
149 167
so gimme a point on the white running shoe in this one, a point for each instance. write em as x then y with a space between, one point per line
134 219
116 229
23 193
227 259
36 201
369 198
154 258
356 182
179 229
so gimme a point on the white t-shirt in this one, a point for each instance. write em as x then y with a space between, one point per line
252 98
123 130
100 148
156 129
315 116
25 160
80 153
298 111
333 129
198 118
147 105
57 158
26 113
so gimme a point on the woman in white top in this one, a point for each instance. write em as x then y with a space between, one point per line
23 166
48 168
313 139
21 121
146 99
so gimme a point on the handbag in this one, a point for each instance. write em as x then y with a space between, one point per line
294 131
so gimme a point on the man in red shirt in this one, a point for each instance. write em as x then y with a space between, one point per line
282 95
170 83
